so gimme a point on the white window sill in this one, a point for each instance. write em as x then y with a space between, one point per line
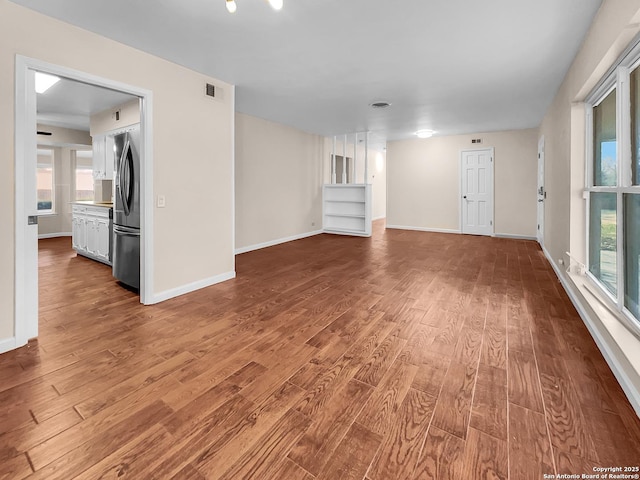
626 337
47 214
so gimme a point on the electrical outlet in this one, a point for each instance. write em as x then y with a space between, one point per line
313 224
161 201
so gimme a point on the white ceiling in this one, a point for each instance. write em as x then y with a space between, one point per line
70 104
454 66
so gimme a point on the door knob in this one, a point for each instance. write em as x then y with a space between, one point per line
464 196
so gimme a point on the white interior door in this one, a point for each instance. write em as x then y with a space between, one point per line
541 192
476 171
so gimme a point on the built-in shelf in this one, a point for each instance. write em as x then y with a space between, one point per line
347 209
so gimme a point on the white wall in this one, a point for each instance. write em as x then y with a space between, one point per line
192 149
106 121
278 177
424 185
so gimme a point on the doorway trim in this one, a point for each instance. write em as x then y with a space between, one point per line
26 289
491 151
541 193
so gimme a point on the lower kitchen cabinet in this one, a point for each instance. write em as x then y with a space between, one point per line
91 230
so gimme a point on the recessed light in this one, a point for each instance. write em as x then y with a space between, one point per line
424 133
379 104
44 81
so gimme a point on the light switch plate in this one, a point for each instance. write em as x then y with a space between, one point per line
161 201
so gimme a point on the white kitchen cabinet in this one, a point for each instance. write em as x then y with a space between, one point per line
91 229
103 157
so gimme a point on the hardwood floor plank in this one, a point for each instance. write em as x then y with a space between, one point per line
330 424
352 456
377 414
31 435
53 460
485 457
143 400
289 470
524 384
381 359
129 461
203 441
241 436
401 446
265 458
442 457
566 423
431 373
454 402
530 453
494 344
15 468
489 409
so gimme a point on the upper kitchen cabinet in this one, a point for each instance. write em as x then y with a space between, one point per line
103 159
103 126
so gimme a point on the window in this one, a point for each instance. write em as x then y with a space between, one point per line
84 175
45 181
613 187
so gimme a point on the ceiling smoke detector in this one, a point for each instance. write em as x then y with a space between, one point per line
379 104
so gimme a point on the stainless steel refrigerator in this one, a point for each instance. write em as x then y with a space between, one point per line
126 215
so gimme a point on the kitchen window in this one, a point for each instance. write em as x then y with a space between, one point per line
84 176
613 187
45 181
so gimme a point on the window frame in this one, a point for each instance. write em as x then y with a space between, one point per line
617 78
52 210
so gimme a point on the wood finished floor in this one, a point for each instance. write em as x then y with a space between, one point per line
409 355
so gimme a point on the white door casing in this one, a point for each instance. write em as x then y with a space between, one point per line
26 236
541 192
476 191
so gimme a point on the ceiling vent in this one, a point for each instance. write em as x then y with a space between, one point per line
379 104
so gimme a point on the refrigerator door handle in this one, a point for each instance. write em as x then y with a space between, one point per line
121 185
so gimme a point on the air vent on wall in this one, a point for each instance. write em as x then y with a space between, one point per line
476 140
211 90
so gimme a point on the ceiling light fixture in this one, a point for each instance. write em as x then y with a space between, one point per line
275 4
424 133
44 81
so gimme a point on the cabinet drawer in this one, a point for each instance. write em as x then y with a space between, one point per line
97 212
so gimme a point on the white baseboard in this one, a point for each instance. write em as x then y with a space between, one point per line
423 229
7 344
278 241
54 235
379 218
515 236
191 287
630 389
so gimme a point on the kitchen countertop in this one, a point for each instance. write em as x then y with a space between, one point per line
94 204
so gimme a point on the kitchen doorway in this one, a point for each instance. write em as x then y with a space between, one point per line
26 213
